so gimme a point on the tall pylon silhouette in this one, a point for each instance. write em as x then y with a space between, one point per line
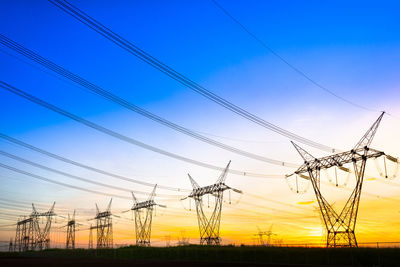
341 226
71 232
104 227
143 221
30 235
209 227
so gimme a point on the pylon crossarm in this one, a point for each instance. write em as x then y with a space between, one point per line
210 189
143 205
339 159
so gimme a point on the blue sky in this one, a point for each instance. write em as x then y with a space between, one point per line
351 48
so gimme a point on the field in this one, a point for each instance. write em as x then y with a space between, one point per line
205 256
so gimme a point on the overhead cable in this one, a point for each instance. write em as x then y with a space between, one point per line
123 137
122 102
141 54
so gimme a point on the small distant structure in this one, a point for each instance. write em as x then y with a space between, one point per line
260 236
183 240
167 240
10 246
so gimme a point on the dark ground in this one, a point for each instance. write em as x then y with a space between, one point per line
61 262
205 256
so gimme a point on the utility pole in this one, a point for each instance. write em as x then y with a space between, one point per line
209 227
341 226
143 224
103 227
71 232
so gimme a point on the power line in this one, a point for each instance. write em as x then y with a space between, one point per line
75 163
6 154
290 65
139 53
60 183
123 137
122 102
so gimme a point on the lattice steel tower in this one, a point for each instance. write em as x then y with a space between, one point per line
71 232
143 223
24 235
29 235
104 227
209 227
42 238
341 226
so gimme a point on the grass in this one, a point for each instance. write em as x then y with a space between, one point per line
249 254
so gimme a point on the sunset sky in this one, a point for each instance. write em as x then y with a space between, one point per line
352 49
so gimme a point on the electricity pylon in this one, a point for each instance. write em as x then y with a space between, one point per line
261 235
341 226
10 246
143 224
42 238
90 237
29 235
71 232
209 227
24 235
103 227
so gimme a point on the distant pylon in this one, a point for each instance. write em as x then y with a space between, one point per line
104 227
24 235
341 226
209 227
143 224
268 234
71 232
42 240
90 237
10 246
29 235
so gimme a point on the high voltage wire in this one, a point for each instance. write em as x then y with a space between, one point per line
6 154
290 65
40 204
139 53
123 137
116 99
75 163
60 183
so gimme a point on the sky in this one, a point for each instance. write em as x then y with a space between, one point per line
352 49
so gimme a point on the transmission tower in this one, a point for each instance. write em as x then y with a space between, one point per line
29 235
341 226
90 237
71 232
24 235
103 227
268 234
42 235
143 224
10 246
209 227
